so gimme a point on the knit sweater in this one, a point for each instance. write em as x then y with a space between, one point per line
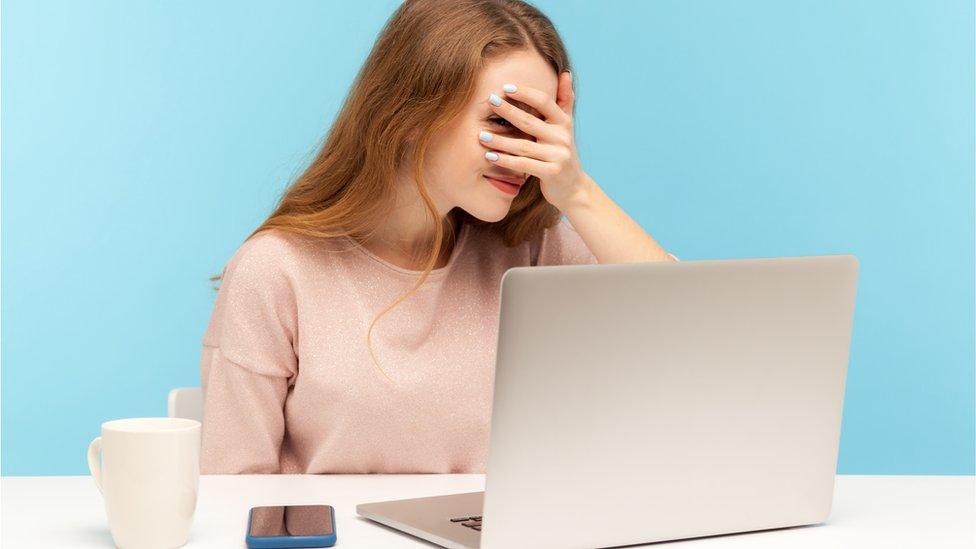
288 383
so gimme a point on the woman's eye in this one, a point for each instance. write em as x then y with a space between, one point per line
499 121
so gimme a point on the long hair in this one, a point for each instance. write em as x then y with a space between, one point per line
421 73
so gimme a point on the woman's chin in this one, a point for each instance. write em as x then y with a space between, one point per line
491 214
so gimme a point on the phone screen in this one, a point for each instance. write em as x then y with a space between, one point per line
292 520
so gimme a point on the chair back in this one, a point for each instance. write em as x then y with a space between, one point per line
186 402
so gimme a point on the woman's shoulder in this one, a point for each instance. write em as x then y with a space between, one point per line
561 229
268 247
255 278
270 253
560 244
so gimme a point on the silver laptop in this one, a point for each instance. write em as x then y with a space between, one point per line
644 402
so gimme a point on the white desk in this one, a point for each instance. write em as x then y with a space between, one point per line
868 511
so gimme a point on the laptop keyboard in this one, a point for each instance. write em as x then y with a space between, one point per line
471 522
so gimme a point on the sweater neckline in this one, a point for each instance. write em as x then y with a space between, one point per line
455 252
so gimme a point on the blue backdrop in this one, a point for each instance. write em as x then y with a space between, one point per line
142 141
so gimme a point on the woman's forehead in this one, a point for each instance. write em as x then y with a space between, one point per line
521 69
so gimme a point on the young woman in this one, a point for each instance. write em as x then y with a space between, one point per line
456 145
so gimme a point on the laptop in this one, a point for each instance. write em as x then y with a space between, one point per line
644 402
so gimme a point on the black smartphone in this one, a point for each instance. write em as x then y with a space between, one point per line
279 526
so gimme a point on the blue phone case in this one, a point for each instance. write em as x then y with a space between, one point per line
276 542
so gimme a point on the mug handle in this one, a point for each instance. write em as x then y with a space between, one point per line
94 461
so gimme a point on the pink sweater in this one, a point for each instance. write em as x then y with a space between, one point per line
288 383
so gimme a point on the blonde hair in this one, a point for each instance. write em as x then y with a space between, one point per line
419 76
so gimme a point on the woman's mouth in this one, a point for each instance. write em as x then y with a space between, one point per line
506 188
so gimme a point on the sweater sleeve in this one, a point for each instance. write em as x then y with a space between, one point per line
249 361
562 245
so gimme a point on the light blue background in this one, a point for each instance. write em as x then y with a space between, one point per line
142 141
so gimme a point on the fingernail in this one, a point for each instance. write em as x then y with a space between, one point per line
491 156
510 88
495 100
484 136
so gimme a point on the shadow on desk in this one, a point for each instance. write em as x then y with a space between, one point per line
95 536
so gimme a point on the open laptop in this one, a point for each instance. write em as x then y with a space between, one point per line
643 402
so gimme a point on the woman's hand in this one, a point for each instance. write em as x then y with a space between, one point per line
552 157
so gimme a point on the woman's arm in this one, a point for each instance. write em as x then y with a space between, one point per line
249 360
611 234
244 422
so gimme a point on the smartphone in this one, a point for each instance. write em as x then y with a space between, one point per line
275 526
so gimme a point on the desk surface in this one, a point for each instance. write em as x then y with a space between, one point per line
868 511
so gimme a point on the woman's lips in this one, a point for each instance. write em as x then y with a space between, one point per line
503 186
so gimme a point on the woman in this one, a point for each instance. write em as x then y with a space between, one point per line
456 97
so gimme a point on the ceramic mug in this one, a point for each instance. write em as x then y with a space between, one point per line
149 476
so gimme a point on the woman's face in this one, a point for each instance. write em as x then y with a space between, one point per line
455 167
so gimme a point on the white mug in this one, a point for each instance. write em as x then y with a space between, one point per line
149 476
